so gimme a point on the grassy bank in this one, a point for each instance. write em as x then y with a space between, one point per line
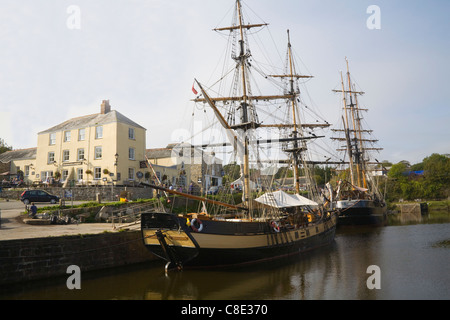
92 204
438 212
433 205
443 205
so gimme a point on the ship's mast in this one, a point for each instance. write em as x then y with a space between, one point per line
356 139
246 121
362 163
359 149
244 109
353 132
297 126
347 131
295 132
246 102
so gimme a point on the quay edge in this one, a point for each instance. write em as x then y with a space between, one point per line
24 260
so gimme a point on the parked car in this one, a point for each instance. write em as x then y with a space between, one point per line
37 196
213 190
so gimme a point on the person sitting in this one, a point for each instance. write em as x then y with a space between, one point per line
33 210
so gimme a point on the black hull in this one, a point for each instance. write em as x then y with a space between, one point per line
221 243
226 257
368 214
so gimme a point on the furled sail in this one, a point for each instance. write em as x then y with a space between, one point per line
281 199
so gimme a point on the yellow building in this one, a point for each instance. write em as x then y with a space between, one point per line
185 166
100 148
18 166
105 148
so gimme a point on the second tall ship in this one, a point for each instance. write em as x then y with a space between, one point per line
357 196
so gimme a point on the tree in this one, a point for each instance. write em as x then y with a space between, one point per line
397 171
436 175
231 172
386 163
396 188
434 183
322 175
4 147
284 172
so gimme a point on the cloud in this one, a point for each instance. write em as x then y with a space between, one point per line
143 56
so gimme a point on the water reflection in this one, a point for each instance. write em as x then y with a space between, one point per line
415 217
412 267
275 280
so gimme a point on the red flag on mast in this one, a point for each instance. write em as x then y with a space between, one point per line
193 89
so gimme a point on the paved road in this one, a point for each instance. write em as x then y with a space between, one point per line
11 228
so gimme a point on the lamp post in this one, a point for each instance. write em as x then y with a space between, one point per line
116 157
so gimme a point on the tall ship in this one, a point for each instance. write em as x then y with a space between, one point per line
267 224
357 197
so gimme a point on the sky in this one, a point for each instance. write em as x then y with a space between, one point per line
59 59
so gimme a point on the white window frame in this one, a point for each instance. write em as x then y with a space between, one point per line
50 157
131 173
97 173
131 134
67 136
98 153
81 134
66 155
131 154
46 175
52 139
99 132
79 151
80 174
64 175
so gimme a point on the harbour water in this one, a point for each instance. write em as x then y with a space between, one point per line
412 260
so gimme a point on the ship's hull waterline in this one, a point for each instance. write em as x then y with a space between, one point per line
222 243
361 213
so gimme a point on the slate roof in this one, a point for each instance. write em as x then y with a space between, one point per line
158 153
92 120
19 154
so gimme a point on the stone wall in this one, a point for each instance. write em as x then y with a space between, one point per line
5 167
88 193
31 259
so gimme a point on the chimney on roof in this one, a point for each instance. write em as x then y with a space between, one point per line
105 107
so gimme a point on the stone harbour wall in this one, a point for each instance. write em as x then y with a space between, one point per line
90 193
39 258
